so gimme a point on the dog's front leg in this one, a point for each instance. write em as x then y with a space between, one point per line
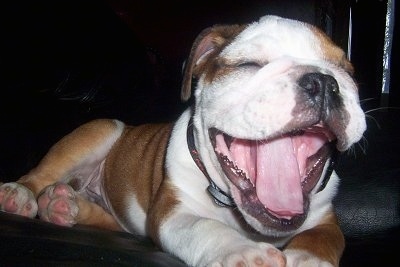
207 242
320 246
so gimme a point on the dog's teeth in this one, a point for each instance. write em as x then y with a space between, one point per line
235 169
225 159
251 182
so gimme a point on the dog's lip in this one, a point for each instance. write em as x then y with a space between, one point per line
252 199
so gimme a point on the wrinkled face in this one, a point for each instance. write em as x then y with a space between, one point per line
273 100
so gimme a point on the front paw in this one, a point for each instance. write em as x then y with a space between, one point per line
16 198
301 258
257 255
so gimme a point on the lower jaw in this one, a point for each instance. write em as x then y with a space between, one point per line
264 219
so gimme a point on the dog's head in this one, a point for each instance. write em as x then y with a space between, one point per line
272 100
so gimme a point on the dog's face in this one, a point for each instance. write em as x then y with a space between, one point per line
272 100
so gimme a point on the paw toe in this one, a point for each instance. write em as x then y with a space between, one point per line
16 198
278 257
257 255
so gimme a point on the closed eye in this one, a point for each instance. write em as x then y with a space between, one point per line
249 64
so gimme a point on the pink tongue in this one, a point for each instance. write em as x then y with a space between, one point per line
274 168
278 181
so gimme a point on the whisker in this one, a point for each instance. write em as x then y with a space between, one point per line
351 151
380 108
363 144
373 119
367 99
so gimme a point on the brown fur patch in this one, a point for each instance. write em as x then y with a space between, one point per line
211 41
215 66
68 153
161 209
332 52
135 166
325 240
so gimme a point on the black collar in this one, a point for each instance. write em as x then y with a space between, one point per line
220 197
330 168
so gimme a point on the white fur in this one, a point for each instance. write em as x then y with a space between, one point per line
272 38
137 217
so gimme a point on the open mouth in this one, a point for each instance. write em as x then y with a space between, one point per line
273 178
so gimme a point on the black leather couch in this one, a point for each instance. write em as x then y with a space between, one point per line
54 83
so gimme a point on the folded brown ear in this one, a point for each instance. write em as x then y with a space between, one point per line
208 43
202 45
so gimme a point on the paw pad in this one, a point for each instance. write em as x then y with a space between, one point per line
57 204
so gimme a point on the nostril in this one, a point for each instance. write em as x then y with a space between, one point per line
312 83
316 83
331 84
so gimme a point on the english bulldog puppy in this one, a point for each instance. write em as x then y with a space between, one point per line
243 177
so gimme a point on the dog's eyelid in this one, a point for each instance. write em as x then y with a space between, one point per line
249 64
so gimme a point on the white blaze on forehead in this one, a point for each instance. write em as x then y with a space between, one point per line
249 102
273 37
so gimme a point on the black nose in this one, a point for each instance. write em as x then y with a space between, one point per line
316 84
